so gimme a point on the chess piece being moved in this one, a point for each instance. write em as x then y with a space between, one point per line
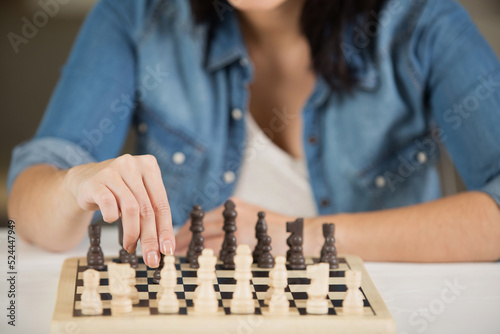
157 273
205 301
278 304
228 249
124 256
329 252
242 302
260 232
95 257
353 301
318 290
120 290
197 242
167 299
295 254
91 299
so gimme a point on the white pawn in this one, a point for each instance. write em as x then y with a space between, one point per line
91 299
279 303
318 290
353 301
243 302
129 276
120 289
167 300
205 301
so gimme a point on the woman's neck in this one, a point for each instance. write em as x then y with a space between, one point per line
275 28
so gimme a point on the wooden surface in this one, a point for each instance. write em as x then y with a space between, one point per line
375 319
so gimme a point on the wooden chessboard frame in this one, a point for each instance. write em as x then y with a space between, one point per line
143 319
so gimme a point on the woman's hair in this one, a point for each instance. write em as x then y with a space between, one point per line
323 23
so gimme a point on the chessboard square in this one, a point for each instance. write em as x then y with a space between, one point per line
337 295
260 287
299 295
103 289
79 282
226 295
79 290
225 273
180 295
190 280
189 287
189 303
260 273
260 280
143 287
153 287
143 302
182 302
151 295
227 287
337 273
141 274
142 280
105 296
343 266
226 280
178 288
188 273
337 288
336 280
144 295
298 280
189 295
298 288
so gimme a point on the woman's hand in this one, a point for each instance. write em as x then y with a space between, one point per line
245 229
130 187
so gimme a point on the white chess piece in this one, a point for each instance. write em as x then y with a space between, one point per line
167 299
129 276
242 301
119 288
91 299
353 301
205 301
318 290
278 303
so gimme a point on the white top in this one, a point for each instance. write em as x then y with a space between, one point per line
271 178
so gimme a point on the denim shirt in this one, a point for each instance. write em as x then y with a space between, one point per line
145 64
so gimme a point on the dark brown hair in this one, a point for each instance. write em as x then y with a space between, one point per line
323 23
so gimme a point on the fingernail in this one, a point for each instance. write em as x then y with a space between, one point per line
153 261
167 247
130 249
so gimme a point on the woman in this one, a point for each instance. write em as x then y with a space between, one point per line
331 110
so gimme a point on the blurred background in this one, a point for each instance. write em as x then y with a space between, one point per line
28 77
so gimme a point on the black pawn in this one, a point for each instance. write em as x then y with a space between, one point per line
260 232
124 256
95 257
157 273
228 250
329 252
266 260
295 240
197 240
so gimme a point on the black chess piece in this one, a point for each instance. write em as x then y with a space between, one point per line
124 256
157 273
95 257
196 245
260 232
266 259
228 250
329 251
295 254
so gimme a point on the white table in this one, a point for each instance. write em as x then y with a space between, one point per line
423 298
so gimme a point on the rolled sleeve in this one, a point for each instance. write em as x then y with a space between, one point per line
492 188
57 152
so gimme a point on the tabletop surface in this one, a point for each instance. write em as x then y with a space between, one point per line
423 298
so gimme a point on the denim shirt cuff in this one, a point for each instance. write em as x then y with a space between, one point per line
57 152
492 188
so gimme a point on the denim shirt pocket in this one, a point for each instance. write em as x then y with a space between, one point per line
400 174
179 153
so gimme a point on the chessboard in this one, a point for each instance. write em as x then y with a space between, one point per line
145 317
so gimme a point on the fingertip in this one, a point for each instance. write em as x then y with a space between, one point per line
167 247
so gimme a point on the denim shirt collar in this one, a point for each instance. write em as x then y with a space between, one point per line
227 46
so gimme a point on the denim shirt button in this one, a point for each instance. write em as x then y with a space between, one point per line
229 177
325 202
237 114
380 181
243 62
313 140
142 128
421 157
178 158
